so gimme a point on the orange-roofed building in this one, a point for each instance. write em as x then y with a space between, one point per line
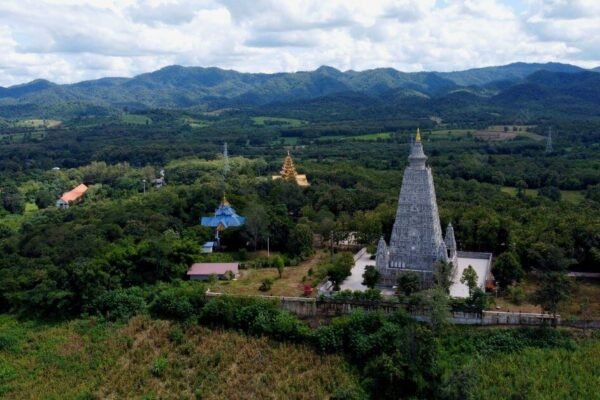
71 197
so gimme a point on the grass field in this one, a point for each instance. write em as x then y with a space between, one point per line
363 138
135 119
36 123
451 133
151 359
195 123
497 132
372 136
287 141
287 122
290 284
572 196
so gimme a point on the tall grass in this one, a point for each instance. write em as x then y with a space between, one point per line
158 359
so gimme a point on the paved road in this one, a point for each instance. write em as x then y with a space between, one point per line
354 281
460 290
592 275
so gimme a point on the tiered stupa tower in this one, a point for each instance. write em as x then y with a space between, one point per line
288 172
416 243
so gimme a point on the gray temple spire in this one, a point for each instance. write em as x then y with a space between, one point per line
382 255
450 241
416 243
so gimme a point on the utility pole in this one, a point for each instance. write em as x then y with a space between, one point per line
268 248
144 182
331 242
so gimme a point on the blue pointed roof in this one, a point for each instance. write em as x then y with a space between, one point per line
225 216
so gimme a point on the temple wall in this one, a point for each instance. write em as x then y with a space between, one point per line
308 307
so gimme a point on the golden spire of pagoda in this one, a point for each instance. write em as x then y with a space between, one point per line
288 171
418 137
224 202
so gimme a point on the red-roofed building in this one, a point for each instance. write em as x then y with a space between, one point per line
71 197
203 271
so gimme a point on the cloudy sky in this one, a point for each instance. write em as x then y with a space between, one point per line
73 40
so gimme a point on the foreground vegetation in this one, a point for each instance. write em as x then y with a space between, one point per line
153 359
274 355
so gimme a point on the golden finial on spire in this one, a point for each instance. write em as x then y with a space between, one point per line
224 202
418 137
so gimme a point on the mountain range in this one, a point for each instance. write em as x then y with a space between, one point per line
212 88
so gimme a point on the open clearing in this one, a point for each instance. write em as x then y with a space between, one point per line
508 132
136 119
290 284
583 303
36 123
287 122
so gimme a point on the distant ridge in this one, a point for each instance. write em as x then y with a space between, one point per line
185 87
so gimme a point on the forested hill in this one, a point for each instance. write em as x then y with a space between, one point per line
209 88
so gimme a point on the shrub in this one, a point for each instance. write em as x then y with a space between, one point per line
266 284
408 283
287 327
7 341
159 367
516 294
219 311
169 305
176 335
358 295
180 300
121 304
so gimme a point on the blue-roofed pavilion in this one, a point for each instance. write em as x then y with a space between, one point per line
225 217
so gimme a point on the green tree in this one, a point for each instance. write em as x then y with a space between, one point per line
550 192
521 186
12 199
370 276
469 278
443 275
279 264
507 269
555 287
257 223
44 199
408 283
439 309
340 268
548 257
300 241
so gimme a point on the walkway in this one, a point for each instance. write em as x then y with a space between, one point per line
354 281
480 266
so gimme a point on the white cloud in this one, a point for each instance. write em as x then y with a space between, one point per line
72 40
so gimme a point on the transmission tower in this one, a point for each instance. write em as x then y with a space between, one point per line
549 141
225 159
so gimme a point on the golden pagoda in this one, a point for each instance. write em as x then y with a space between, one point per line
289 173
